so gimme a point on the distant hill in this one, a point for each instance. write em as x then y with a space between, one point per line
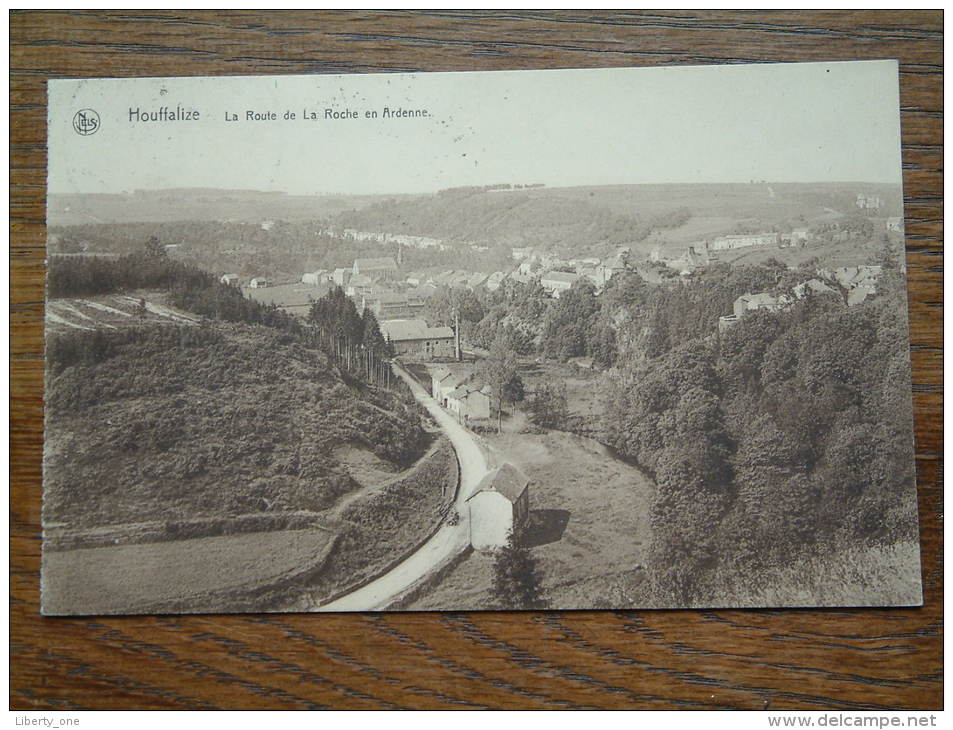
592 220
199 204
260 233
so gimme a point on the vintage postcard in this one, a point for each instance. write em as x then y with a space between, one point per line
628 338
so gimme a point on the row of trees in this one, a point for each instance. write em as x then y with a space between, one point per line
353 340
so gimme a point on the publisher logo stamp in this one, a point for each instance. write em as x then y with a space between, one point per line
86 121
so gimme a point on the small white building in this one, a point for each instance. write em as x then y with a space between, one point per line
800 235
259 282
442 384
498 508
727 243
230 279
556 282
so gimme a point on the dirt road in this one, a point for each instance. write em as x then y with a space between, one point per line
449 541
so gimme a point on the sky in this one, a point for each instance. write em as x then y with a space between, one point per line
834 122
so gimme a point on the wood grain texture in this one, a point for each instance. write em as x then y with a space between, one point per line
778 659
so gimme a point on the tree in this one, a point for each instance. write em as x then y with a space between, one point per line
516 577
513 389
154 247
568 322
499 369
548 405
373 340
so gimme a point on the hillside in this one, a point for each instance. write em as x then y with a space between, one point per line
249 206
167 422
591 220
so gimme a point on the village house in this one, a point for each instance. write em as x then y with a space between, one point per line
583 263
392 305
850 277
442 384
376 269
868 202
688 261
494 280
528 267
810 287
517 275
610 267
751 303
556 282
800 235
259 282
360 286
469 402
230 279
727 243
341 277
590 273
414 338
316 277
498 508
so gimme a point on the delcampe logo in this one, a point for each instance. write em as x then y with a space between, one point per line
86 121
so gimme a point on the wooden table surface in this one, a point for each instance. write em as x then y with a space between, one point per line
777 659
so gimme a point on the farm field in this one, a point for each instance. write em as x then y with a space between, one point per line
293 298
113 311
205 574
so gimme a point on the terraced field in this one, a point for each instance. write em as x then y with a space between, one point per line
112 311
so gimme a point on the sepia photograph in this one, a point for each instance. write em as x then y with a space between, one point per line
574 339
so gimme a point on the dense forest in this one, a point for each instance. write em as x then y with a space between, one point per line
513 218
786 438
283 252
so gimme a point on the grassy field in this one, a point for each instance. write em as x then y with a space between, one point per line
294 298
588 529
381 524
207 574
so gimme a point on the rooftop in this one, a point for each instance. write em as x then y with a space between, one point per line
561 276
506 480
413 329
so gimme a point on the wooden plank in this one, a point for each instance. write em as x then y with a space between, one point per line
845 659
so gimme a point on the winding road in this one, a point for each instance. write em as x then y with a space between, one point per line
449 540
